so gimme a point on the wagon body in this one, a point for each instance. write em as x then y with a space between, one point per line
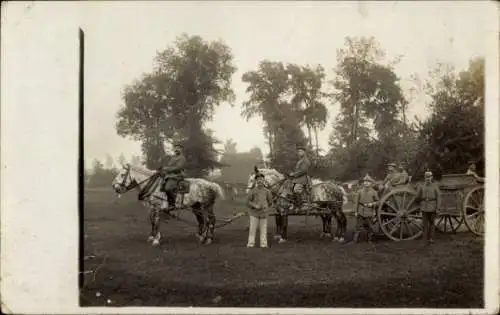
399 216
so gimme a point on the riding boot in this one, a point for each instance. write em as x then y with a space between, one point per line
171 201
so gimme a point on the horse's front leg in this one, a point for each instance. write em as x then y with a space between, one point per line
155 225
277 222
341 225
284 228
151 222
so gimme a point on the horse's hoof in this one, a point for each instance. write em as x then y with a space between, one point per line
342 240
150 239
282 240
156 243
329 235
335 238
208 241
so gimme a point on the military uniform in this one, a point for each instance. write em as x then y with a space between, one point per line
402 178
365 201
300 179
429 196
393 178
174 173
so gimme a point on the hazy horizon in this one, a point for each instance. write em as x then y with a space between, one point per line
122 40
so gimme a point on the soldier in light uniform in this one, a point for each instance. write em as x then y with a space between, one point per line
429 196
403 176
173 174
472 171
392 179
299 176
260 201
366 199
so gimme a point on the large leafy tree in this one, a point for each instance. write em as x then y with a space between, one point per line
454 132
368 131
306 85
286 97
176 100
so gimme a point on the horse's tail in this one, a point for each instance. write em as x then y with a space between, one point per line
218 190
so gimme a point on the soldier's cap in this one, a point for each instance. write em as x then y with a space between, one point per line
367 178
178 145
391 164
472 162
301 147
428 174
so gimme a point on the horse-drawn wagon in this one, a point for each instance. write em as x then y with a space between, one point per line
462 201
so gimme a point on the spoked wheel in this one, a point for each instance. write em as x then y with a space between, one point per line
473 210
448 223
399 215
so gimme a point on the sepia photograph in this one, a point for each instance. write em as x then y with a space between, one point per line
302 154
250 157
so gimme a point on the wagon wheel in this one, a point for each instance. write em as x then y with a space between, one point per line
473 210
399 215
450 219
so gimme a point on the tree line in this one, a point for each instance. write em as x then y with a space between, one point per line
190 78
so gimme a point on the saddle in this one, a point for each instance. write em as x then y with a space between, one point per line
181 185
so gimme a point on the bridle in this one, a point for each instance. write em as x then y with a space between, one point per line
266 185
133 182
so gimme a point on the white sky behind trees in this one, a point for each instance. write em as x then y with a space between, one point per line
122 39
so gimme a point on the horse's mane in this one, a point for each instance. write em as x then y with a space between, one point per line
141 170
149 172
270 171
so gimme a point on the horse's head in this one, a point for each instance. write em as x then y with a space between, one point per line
124 180
271 177
251 179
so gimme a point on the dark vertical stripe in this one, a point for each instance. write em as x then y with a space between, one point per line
81 164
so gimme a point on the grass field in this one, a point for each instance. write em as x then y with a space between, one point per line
305 272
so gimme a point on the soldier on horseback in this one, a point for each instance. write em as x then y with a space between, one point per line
173 174
299 177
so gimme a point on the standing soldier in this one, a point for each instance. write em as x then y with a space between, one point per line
173 175
429 196
364 211
299 176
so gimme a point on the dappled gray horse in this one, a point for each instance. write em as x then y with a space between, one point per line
200 198
324 195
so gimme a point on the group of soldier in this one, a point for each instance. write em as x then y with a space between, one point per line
366 200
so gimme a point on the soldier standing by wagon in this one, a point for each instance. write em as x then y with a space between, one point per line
365 201
429 196
173 175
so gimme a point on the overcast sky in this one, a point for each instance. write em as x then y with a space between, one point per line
122 39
